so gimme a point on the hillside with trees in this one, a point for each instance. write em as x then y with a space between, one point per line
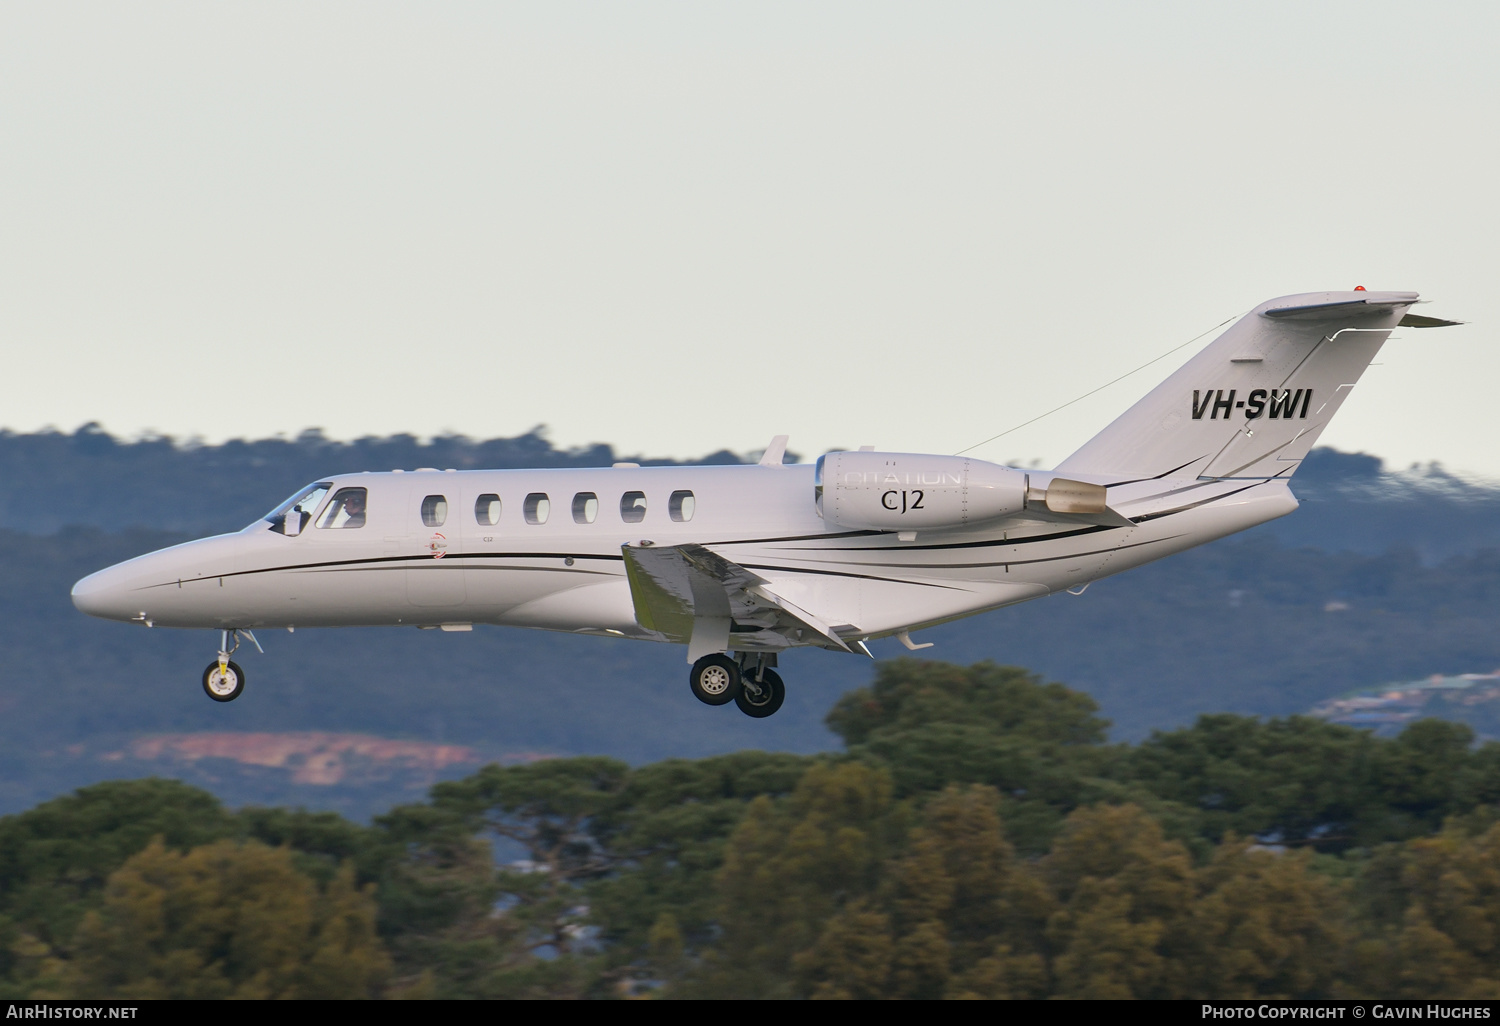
979 837
1379 577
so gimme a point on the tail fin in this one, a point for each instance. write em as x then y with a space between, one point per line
1254 401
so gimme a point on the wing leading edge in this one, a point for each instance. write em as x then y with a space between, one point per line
692 594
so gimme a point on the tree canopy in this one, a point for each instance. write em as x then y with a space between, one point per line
978 837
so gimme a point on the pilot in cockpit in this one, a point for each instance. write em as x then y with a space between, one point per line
347 510
354 509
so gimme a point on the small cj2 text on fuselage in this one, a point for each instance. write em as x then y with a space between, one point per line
1280 403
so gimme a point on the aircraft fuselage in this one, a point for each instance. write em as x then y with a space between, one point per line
567 572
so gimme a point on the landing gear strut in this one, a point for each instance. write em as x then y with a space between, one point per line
223 680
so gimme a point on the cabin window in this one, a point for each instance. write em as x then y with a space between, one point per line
536 507
633 507
435 510
346 511
487 509
680 506
299 509
585 507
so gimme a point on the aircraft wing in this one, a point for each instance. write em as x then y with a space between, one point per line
692 594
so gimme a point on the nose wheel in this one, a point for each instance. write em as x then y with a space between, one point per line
223 680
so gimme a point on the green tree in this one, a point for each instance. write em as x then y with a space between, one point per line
1264 925
997 906
227 920
56 858
552 809
932 724
438 905
841 892
1293 779
853 956
1124 894
672 821
617 886
964 916
1428 773
792 866
1446 943
459 925
1300 780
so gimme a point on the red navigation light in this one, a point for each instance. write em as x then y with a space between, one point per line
1359 288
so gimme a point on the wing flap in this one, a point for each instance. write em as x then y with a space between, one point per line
797 613
692 594
667 590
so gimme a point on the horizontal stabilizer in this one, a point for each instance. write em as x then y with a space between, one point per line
1376 304
1419 321
1105 518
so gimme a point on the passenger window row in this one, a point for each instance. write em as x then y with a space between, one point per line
347 509
537 506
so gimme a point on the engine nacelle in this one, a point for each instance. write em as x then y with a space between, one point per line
893 491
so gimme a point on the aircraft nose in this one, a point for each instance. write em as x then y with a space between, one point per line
105 595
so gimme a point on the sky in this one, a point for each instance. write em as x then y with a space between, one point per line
681 227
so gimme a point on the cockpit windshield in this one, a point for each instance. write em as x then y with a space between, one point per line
299 508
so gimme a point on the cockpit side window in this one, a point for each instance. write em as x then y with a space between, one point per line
292 516
346 511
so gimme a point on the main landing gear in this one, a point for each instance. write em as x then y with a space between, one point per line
715 680
223 680
748 682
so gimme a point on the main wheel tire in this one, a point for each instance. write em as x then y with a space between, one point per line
763 699
223 686
715 680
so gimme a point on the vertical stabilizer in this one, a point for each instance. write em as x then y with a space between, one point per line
1254 401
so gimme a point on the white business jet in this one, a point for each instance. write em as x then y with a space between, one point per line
742 563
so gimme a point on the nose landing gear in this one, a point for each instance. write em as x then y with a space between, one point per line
223 680
748 682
